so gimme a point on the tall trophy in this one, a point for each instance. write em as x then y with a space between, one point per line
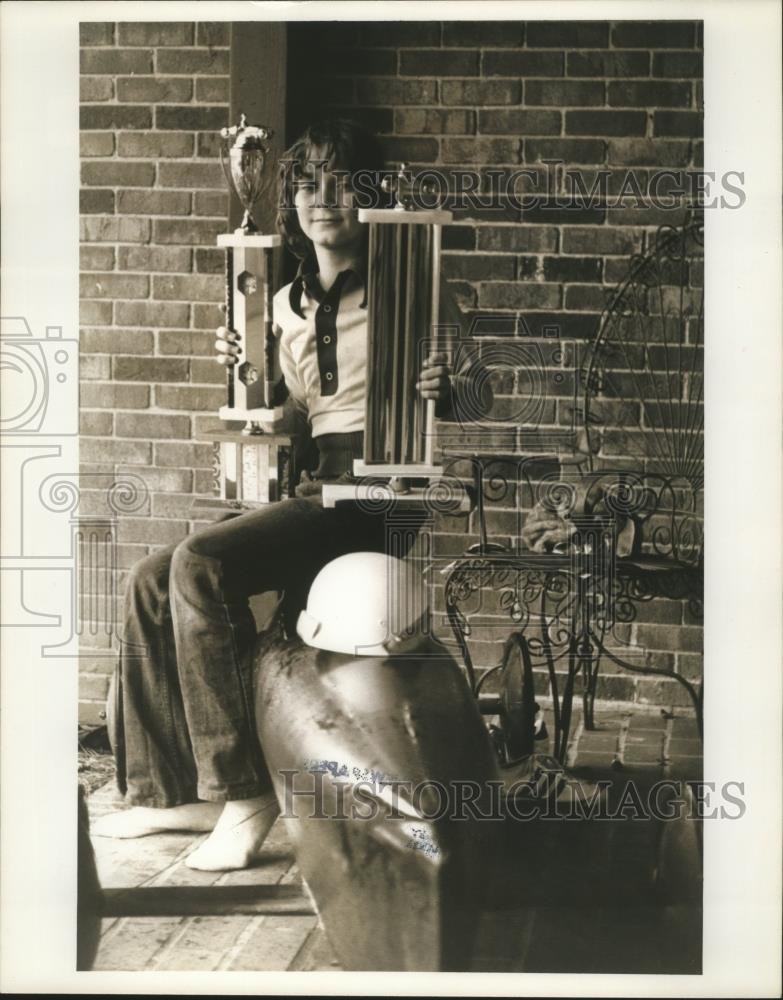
252 463
403 289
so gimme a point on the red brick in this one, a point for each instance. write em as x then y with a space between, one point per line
213 61
207 317
95 422
153 202
410 149
152 89
191 175
93 687
96 33
96 144
624 64
392 91
652 94
626 123
191 456
114 395
112 450
207 372
504 34
94 366
521 63
518 295
678 123
686 639
115 61
155 33
210 261
603 240
208 145
190 288
480 151
213 33
458 238
96 201
211 203
649 152
155 145
212 89
172 505
398 34
95 313
678 64
515 122
152 425
118 174
115 341
572 269
203 485
591 298
690 666
164 480
525 238
190 117
113 116
176 397
560 93
187 343
569 151
156 314
176 259
114 286
439 62
480 93
567 34
152 532
435 121
96 258
95 88
653 34
188 232
473 267
135 369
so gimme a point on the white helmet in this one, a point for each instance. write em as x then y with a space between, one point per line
364 604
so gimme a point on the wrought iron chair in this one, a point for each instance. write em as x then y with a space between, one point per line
630 492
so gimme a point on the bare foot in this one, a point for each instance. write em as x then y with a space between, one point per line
238 835
140 821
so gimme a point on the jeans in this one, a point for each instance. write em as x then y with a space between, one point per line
182 710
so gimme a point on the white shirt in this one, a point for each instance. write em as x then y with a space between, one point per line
323 356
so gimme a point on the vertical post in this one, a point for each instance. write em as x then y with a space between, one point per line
429 413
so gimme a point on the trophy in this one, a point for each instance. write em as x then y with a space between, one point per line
252 462
402 326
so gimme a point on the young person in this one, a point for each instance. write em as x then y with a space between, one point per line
188 757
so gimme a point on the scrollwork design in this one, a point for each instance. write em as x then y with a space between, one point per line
127 495
59 494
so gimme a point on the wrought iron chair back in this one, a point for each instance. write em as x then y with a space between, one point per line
643 398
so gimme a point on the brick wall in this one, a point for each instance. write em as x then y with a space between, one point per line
479 96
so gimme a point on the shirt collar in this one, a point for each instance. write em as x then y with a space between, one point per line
306 281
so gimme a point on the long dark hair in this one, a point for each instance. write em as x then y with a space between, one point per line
346 145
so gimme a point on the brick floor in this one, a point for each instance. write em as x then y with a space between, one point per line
571 897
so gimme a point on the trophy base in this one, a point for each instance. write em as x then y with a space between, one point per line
418 471
383 494
258 421
239 238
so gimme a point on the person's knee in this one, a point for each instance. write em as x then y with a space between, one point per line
147 581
